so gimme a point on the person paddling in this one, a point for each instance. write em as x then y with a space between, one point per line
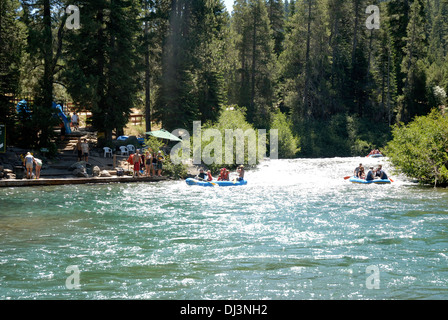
370 175
380 173
201 175
240 172
357 169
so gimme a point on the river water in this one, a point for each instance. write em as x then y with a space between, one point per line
298 230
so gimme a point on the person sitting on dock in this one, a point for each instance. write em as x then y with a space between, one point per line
370 175
380 173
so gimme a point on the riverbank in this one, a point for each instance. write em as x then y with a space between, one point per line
75 181
66 169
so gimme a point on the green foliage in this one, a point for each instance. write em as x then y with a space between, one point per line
287 142
341 85
103 61
253 75
12 43
231 118
154 144
420 148
176 171
191 82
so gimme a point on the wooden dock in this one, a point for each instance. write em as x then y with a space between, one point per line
74 181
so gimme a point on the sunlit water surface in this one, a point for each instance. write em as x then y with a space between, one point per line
298 230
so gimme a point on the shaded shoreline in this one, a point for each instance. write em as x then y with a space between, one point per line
7 183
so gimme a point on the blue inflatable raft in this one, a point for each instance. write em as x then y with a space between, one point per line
214 183
363 181
378 155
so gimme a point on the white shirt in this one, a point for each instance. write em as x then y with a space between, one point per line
85 147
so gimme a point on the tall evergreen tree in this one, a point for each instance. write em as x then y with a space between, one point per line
103 61
12 44
191 86
304 63
276 14
45 22
413 101
255 48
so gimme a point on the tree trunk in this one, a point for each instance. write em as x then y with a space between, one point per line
147 74
47 87
254 64
306 95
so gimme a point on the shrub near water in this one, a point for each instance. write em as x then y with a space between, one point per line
420 148
231 118
287 142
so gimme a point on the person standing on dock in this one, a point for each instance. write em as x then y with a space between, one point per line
136 160
78 148
75 121
160 159
85 150
148 163
28 163
38 163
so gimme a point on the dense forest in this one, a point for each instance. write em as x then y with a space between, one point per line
337 73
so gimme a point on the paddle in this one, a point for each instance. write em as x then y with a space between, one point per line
348 177
200 179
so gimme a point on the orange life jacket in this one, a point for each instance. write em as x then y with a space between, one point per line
221 175
131 159
210 178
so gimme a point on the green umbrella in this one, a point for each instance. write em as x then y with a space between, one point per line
163 134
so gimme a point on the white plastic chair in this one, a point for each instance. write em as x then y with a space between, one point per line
124 151
131 148
107 151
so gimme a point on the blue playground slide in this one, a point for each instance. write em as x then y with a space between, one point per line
22 106
64 118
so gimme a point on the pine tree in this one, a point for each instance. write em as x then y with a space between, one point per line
304 65
413 101
12 44
276 13
398 13
191 84
45 33
255 48
103 61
